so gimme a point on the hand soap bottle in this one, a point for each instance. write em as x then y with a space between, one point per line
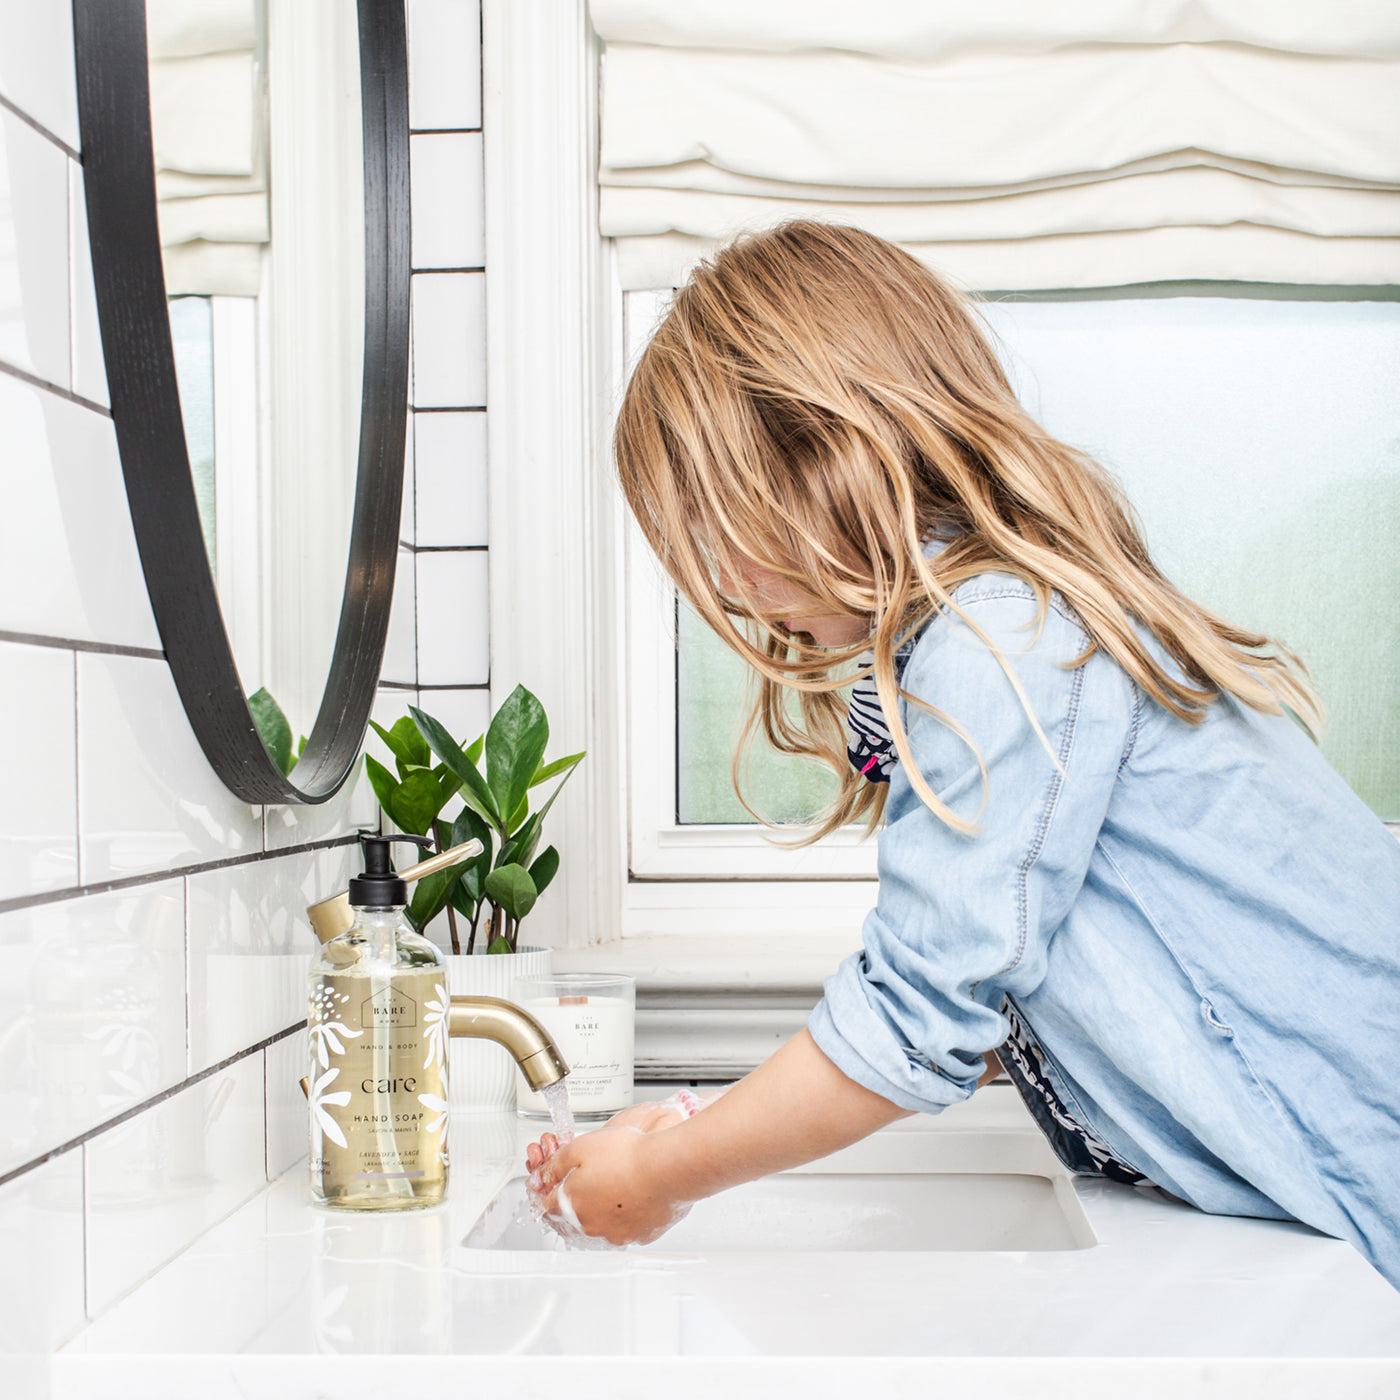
377 1020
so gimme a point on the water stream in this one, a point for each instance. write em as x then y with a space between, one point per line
556 1096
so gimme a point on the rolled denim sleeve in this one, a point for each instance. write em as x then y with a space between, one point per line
962 919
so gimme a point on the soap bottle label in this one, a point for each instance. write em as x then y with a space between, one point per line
378 1049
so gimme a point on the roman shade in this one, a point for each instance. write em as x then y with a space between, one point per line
1016 146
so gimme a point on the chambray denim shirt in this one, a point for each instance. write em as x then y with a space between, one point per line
1201 925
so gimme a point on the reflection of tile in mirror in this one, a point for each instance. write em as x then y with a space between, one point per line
450 478
449 339
449 212
444 65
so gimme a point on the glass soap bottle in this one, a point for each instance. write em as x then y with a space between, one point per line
377 1025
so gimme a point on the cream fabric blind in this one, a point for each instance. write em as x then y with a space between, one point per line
208 120
1020 146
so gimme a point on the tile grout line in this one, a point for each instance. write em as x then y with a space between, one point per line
130 882
145 1105
37 639
38 126
52 388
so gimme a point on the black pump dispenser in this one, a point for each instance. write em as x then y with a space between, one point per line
377 886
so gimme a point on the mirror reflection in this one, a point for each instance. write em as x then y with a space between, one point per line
257 137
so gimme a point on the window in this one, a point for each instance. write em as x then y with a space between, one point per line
1257 439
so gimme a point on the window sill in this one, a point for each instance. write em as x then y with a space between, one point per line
715 1008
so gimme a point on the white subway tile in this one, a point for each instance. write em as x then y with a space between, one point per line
401 645
444 64
464 713
37 72
66 522
158 1181
453 623
249 943
351 808
38 832
449 205
450 476
97 1013
33 251
89 368
147 798
449 339
41 1238
285 1063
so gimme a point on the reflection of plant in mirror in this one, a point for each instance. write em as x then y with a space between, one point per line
275 730
508 876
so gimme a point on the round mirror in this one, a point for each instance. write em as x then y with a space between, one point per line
246 168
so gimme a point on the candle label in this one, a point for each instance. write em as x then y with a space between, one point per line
595 1036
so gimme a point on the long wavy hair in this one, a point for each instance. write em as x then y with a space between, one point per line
819 403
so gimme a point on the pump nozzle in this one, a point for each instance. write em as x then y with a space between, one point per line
331 917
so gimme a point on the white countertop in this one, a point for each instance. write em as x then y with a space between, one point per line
284 1300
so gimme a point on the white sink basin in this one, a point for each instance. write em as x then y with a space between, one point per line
965 1191
822 1211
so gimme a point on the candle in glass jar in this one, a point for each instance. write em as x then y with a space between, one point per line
591 1019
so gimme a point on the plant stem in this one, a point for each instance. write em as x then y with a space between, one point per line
498 923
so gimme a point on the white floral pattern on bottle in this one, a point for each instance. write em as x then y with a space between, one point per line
319 1099
325 1026
434 1104
435 1020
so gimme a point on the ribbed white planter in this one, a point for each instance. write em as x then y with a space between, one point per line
483 1074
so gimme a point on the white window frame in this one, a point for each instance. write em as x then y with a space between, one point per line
560 568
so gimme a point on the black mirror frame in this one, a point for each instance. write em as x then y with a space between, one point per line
119 178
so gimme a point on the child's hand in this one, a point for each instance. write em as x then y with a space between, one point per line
604 1182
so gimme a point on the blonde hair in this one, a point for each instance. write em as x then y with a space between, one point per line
818 403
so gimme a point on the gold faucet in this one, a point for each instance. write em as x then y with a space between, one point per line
491 1018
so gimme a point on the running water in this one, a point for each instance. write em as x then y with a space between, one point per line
556 1096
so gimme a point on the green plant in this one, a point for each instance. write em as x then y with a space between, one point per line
508 876
275 730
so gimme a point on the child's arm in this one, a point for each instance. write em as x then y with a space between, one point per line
629 1186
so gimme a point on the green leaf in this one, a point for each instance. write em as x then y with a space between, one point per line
272 728
382 781
475 792
430 896
520 849
518 816
405 743
468 825
301 746
515 743
545 869
511 888
418 800
501 945
478 744
543 775
462 901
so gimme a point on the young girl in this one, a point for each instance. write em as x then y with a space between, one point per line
1109 845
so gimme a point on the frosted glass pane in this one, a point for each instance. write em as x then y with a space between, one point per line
1260 444
713 701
